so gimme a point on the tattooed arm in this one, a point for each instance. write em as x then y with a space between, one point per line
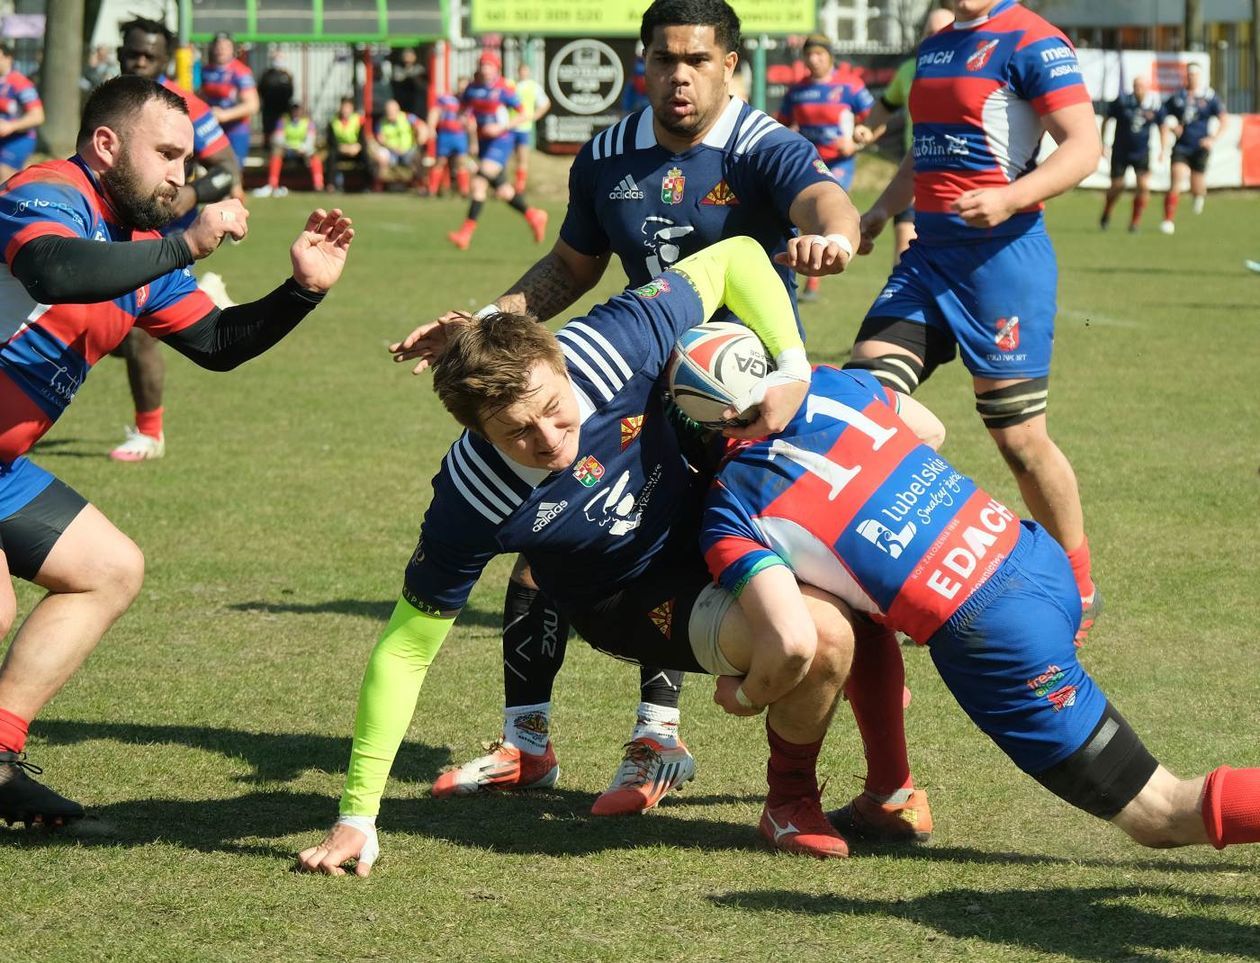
558 279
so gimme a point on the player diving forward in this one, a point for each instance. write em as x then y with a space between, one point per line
569 459
84 264
852 502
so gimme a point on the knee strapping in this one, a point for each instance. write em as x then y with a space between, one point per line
897 371
1014 404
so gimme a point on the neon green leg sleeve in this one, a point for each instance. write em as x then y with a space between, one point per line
387 701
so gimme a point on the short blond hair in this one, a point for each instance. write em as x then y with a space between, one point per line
487 365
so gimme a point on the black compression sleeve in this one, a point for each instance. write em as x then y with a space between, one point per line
224 339
77 270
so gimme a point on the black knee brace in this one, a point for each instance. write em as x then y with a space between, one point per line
1014 404
498 180
1106 773
897 371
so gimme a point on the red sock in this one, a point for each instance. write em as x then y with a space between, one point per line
149 422
317 172
1139 205
792 772
874 690
435 179
1231 806
12 732
1079 557
469 226
1170 205
812 283
273 171
520 181
464 180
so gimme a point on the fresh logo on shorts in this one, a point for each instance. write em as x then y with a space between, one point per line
981 57
1047 686
547 511
589 471
1007 337
627 190
631 428
663 618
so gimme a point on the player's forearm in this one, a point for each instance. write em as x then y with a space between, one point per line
783 634
34 118
899 192
737 274
387 701
76 270
546 289
1074 160
826 209
223 340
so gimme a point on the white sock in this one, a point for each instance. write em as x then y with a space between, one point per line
528 727
658 723
893 798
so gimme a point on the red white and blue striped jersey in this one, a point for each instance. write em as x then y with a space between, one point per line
208 136
825 111
450 118
489 104
18 97
980 90
850 499
592 527
223 84
47 350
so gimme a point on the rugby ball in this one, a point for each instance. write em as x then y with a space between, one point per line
711 366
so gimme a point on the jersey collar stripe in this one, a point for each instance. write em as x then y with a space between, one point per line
613 354
473 497
761 132
462 458
722 130
571 355
586 407
621 136
491 473
757 123
597 145
593 355
645 133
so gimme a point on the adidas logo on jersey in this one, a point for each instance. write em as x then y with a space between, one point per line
547 511
627 190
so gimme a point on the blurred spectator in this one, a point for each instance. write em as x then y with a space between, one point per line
228 86
275 90
293 139
101 66
21 112
396 142
409 82
347 143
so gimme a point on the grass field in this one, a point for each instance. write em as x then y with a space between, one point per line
210 731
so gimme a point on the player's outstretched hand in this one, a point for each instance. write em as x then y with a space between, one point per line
319 253
863 135
815 255
724 689
871 226
985 208
776 398
428 342
227 218
342 844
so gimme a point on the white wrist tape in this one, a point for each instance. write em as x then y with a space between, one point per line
742 698
841 242
371 850
488 310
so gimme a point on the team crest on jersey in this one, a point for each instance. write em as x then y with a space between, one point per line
672 186
663 618
823 169
653 289
631 428
981 57
720 195
1007 337
589 471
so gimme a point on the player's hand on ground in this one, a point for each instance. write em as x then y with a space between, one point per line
984 208
226 218
428 342
813 255
871 226
724 689
342 844
319 253
862 135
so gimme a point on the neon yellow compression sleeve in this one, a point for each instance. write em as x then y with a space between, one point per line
738 274
387 701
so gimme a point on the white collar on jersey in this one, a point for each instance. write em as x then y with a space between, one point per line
533 477
717 136
972 24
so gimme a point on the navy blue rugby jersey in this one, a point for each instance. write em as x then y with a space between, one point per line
1134 119
652 207
597 524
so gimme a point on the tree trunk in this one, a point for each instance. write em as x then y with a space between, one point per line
63 63
1194 25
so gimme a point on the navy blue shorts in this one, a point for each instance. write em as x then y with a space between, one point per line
995 299
1009 659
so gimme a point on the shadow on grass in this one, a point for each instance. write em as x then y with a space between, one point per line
360 608
1095 924
274 756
